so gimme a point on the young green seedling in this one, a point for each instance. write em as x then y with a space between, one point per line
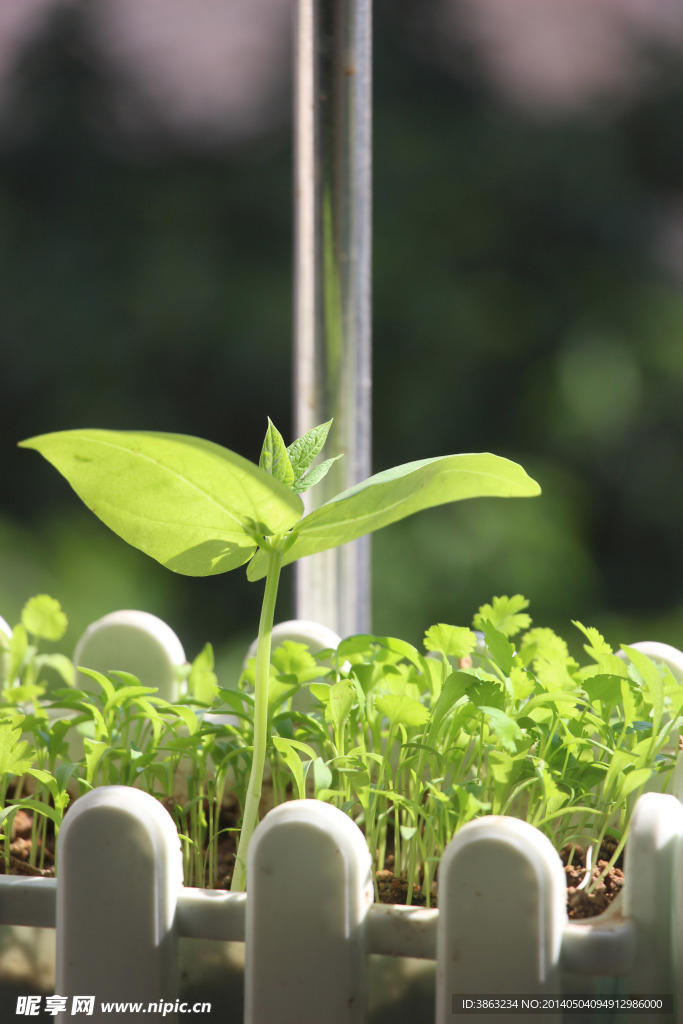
201 509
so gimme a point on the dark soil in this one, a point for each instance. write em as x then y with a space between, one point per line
20 850
391 889
580 903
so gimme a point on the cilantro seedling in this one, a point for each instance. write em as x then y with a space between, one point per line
505 723
411 745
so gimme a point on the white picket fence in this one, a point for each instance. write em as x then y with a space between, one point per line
312 934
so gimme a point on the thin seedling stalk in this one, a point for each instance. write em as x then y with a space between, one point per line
255 784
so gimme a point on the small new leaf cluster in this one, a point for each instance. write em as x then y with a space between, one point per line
293 465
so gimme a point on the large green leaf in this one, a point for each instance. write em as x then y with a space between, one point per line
194 506
397 493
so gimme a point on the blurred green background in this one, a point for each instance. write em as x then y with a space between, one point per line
528 260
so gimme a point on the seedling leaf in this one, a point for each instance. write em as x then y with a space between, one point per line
321 691
274 458
32 805
342 697
314 476
408 831
322 776
604 688
505 613
15 755
60 663
653 686
103 681
304 450
94 751
501 650
401 710
542 644
597 644
387 497
202 683
287 749
292 658
630 781
454 687
42 617
469 805
453 641
18 649
522 683
194 506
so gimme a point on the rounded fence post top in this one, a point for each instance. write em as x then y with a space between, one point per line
301 631
141 806
660 814
127 815
136 642
508 831
140 622
664 653
319 816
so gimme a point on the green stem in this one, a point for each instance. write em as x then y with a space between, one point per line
253 797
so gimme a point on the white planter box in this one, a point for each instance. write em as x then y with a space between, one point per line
310 930
308 946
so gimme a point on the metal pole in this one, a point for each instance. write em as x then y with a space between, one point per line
332 346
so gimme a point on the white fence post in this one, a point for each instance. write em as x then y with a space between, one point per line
135 642
120 874
308 892
652 898
502 908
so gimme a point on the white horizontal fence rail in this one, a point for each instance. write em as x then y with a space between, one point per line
308 928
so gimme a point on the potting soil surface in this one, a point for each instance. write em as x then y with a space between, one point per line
584 899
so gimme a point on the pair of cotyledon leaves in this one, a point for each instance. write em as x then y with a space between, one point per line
201 509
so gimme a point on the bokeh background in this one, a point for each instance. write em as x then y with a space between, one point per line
528 264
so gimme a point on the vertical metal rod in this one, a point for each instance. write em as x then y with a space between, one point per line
332 345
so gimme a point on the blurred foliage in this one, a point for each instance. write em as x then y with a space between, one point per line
520 307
